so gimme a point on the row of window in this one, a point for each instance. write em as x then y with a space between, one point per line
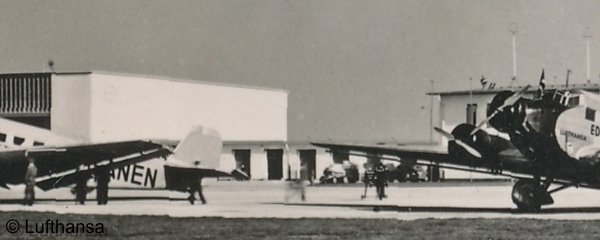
25 93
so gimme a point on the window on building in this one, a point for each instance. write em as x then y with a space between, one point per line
2 137
590 114
25 93
472 113
340 157
36 143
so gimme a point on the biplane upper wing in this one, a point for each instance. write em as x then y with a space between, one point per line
59 166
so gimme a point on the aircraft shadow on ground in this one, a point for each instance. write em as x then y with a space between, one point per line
498 210
409 209
47 200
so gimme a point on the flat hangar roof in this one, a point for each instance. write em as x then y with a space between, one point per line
150 77
586 86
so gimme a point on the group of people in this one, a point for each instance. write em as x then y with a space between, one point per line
375 176
102 178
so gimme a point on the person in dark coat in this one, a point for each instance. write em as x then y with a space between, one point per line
81 187
102 180
30 176
380 180
196 186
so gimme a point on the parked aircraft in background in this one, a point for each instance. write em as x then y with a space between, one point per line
61 161
550 139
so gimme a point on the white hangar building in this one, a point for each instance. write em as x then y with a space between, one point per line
470 106
100 107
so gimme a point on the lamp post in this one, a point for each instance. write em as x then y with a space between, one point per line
431 115
512 28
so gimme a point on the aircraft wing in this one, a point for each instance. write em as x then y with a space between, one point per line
517 165
432 153
512 160
60 166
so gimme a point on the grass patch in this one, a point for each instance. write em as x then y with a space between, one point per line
265 228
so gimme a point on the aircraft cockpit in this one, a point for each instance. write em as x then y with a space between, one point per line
566 98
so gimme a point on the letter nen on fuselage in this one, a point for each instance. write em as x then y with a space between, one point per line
148 174
136 174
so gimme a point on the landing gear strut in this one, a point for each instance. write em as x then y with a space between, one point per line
530 195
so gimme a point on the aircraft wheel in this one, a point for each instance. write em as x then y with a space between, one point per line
529 196
529 209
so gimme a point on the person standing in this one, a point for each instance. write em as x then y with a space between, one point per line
304 176
380 180
81 187
102 180
196 186
368 178
199 182
30 176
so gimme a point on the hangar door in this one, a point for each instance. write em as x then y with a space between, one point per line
310 157
275 164
242 160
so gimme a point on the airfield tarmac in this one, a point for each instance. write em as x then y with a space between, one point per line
266 199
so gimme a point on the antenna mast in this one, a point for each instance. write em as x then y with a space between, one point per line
512 28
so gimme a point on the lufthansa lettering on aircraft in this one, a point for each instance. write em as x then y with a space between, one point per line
136 174
569 134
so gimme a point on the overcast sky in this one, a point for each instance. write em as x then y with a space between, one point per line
355 70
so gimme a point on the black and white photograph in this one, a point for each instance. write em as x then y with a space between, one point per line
287 119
